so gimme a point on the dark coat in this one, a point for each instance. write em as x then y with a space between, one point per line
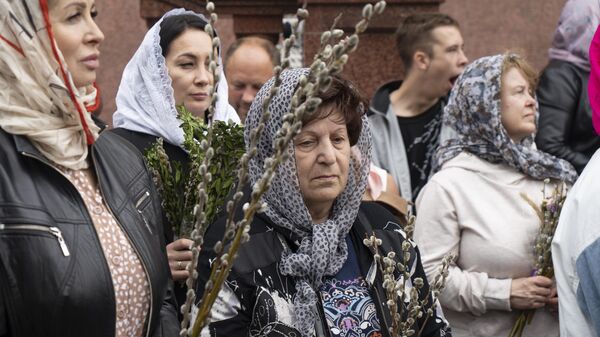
54 279
565 124
246 305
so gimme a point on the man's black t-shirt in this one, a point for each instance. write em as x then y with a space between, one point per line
421 139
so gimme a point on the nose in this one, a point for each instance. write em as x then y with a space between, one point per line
462 59
326 155
248 95
94 34
202 76
530 103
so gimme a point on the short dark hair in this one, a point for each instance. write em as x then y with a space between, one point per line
342 96
414 33
173 26
258 41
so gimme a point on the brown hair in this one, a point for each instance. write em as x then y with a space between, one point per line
414 33
263 43
341 96
512 60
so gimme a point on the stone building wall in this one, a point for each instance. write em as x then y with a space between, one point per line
488 26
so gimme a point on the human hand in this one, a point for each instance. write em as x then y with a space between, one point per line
530 292
552 304
179 255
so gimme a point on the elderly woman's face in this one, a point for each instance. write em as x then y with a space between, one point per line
322 151
517 105
78 37
187 62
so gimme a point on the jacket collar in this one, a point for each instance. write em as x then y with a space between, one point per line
381 99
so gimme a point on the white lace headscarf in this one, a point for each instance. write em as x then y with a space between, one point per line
38 98
323 249
145 100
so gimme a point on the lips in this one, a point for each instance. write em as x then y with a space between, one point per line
91 62
199 96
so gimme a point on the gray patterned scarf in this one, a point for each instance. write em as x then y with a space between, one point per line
323 249
473 113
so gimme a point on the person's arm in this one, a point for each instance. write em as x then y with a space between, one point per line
588 292
437 233
558 94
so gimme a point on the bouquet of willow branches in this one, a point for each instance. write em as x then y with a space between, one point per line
178 190
548 213
407 304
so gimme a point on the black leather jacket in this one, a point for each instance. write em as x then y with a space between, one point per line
565 125
255 298
54 278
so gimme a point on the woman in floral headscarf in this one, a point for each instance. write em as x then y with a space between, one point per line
473 206
565 128
305 270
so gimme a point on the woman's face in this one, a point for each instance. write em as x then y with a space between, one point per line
78 37
322 151
187 62
518 105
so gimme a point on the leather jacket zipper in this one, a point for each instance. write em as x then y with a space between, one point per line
43 160
54 231
137 208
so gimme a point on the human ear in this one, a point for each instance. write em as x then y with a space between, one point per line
421 60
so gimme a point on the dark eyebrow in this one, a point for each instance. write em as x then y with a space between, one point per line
190 55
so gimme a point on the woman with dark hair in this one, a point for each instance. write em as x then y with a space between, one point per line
473 207
170 69
81 250
306 270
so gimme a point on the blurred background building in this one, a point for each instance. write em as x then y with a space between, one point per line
488 27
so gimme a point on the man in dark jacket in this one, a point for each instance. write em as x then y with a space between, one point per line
406 115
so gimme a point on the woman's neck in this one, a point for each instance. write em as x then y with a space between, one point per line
320 213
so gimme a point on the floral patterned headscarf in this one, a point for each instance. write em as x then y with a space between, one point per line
473 112
323 249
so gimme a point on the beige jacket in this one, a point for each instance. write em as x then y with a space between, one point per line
473 209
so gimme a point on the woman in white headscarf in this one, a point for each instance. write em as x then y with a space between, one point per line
80 240
169 69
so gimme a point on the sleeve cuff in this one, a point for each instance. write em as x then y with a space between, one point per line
497 294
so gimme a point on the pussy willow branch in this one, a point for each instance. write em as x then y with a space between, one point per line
237 231
205 177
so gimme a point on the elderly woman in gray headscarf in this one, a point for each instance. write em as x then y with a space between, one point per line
473 206
565 128
170 69
305 270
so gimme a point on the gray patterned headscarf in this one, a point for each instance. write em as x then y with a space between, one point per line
323 249
473 112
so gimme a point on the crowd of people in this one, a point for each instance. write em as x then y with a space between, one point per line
86 248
